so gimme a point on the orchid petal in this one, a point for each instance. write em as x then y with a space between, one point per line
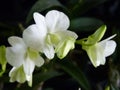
40 21
34 37
53 39
66 42
39 61
110 47
15 54
96 54
29 79
35 56
49 51
29 66
13 40
56 21
65 34
17 74
64 47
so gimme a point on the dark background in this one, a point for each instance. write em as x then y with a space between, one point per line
17 10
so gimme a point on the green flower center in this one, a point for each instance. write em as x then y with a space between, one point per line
32 53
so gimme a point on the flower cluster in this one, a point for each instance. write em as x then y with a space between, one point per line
49 35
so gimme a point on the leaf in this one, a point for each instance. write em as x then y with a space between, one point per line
83 6
76 73
42 5
41 77
3 61
85 24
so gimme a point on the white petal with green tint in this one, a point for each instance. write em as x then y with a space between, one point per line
53 39
17 74
34 37
66 34
96 54
15 54
49 51
14 41
110 47
14 57
39 61
66 43
29 79
35 57
29 66
40 21
56 21
64 47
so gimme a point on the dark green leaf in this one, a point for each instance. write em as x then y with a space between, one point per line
42 5
39 78
76 73
85 24
83 6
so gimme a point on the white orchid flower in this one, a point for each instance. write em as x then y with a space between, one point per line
19 54
98 50
50 32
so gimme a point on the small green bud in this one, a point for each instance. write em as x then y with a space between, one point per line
3 61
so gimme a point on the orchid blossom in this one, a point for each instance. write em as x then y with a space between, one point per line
50 34
98 50
23 59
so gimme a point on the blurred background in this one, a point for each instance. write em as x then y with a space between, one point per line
76 70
